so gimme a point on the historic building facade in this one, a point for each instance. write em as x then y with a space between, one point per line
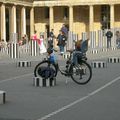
25 16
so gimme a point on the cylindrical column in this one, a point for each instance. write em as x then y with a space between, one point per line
112 16
31 21
13 19
23 21
51 14
91 18
70 18
3 22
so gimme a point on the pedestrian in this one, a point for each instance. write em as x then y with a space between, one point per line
109 35
118 39
64 30
34 36
61 41
51 38
41 45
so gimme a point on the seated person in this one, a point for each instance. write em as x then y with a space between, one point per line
80 49
51 55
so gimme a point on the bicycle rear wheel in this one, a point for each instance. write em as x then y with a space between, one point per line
81 73
42 65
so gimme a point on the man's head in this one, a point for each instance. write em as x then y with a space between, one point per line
49 50
78 44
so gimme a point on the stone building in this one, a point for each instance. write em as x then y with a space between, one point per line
25 16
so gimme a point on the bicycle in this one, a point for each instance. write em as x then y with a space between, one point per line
80 73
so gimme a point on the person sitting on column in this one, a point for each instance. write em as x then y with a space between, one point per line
80 51
109 35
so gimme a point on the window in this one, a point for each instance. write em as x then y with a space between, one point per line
105 16
65 12
46 12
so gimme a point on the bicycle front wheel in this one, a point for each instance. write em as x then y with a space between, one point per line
81 73
43 64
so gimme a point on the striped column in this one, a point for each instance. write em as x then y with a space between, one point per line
100 39
14 50
2 97
93 39
40 82
34 48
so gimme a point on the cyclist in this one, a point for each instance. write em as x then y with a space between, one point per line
80 49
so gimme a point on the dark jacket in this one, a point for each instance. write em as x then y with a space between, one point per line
61 40
109 34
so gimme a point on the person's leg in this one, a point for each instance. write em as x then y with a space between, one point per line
62 49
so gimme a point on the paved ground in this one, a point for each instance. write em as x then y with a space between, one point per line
97 100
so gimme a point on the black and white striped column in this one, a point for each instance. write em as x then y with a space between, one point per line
2 97
40 82
113 60
99 64
34 48
14 50
66 55
24 64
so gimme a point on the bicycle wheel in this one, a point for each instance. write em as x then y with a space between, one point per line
81 73
44 64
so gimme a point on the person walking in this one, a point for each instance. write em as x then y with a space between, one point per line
118 39
109 35
61 41
41 45
51 38
64 30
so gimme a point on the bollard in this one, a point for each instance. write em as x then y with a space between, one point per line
23 64
99 64
41 82
113 60
2 97
14 50
66 55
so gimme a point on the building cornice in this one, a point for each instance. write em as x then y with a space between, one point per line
74 3
17 2
60 2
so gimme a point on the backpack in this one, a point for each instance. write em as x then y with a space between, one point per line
46 72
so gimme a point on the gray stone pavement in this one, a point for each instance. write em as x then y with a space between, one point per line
97 100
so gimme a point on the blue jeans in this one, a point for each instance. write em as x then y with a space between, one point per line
76 55
61 48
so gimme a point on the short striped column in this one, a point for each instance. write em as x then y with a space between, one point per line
99 64
66 55
40 82
113 60
2 97
94 51
23 64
